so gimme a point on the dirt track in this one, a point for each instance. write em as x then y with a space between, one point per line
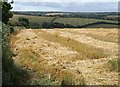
54 56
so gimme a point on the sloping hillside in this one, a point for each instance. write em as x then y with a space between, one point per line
66 56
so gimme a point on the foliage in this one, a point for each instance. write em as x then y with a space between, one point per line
5 42
34 25
56 25
46 25
12 73
6 54
6 13
23 21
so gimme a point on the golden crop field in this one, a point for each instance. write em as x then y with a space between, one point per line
67 56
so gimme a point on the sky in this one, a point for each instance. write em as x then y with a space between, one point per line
66 5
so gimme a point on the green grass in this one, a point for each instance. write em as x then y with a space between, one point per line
80 21
33 19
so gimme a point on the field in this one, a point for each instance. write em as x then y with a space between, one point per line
33 19
75 22
81 21
67 56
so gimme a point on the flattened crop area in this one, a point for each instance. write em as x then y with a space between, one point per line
65 57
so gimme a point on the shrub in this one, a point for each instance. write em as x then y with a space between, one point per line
23 21
34 25
11 73
6 13
7 62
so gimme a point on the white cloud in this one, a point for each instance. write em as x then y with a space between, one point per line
67 6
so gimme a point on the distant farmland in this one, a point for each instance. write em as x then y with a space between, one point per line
32 19
75 22
81 21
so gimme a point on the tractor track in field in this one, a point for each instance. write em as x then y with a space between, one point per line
106 46
92 68
54 54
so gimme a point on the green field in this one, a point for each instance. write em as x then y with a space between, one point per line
80 21
71 21
32 19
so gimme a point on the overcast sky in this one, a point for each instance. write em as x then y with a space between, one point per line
66 5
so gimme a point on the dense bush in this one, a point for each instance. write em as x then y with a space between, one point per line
11 73
56 25
34 25
7 62
23 21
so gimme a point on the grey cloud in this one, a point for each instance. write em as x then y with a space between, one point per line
72 6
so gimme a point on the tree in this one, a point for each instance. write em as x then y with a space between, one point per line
23 21
6 13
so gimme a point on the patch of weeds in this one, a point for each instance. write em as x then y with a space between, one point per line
72 81
113 65
42 81
66 82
